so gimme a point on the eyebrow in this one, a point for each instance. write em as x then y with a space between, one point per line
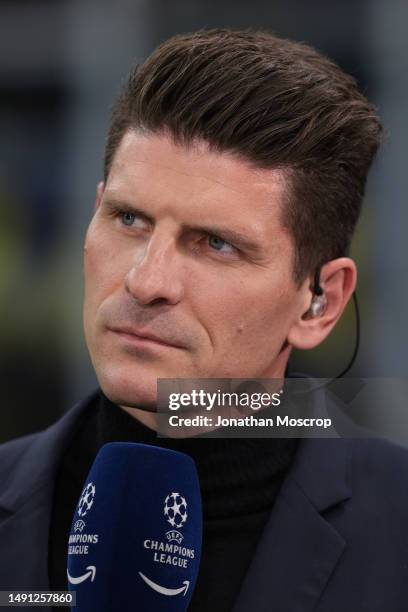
232 236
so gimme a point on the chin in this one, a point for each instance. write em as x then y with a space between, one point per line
127 389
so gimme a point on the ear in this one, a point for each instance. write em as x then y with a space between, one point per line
100 188
338 280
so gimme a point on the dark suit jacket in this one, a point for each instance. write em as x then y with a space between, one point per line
336 539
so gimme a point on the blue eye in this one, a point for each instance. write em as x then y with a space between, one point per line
127 218
218 243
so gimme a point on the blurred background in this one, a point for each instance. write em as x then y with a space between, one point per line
61 64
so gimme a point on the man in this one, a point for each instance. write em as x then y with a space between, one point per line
235 168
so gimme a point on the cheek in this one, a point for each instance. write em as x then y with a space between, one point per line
248 313
103 270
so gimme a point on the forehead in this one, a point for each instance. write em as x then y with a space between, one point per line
184 180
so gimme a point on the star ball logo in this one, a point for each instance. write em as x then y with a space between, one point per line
175 510
87 499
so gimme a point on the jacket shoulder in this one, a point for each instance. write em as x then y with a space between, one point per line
380 465
11 452
37 452
377 452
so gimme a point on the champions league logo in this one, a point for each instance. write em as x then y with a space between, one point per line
79 543
87 499
175 510
175 513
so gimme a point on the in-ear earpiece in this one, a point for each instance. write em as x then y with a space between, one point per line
318 306
319 301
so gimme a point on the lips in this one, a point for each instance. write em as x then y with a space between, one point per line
143 335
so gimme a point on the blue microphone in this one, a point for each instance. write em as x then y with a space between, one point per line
135 540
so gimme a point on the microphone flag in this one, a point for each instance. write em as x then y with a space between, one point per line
135 540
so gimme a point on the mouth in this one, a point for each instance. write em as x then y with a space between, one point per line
142 337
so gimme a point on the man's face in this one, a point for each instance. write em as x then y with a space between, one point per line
186 245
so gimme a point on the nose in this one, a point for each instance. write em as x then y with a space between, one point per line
155 273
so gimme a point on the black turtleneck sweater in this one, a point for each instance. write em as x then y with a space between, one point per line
239 480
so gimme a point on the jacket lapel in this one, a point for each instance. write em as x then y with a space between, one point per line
299 550
24 544
25 507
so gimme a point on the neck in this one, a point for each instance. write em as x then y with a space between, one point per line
149 419
159 423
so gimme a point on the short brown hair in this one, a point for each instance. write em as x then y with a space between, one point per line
276 104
